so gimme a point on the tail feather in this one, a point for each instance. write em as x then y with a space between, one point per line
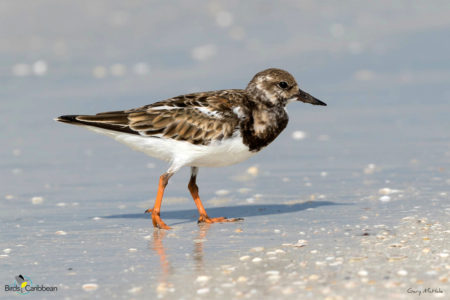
115 121
67 119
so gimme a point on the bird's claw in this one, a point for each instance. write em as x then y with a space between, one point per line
156 219
206 219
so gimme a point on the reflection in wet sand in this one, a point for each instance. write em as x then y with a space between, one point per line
157 245
198 246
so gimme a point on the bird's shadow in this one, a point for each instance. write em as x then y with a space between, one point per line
239 211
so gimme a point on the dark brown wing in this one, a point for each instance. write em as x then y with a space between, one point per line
197 118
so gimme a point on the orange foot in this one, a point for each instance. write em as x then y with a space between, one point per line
206 219
156 219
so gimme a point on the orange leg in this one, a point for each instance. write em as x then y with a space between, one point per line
193 188
155 211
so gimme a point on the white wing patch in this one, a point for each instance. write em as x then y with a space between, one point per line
238 112
209 112
162 107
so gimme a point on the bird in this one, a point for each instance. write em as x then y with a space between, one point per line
203 129
20 280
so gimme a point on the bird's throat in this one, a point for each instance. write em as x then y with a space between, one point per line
263 126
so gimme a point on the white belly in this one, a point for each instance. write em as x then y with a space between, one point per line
181 153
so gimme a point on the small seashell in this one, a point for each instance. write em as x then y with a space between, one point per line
397 258
203 291
162 288
298 135
257 249
37 200
272 272
354 259
301 243
273 278
90 287
385 198
222 192
135 290
227 285
388 191
313 277
254 171
202 279
363 273
369 169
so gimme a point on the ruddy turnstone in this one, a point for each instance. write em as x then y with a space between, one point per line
208 129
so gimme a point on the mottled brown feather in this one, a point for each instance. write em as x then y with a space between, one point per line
179 118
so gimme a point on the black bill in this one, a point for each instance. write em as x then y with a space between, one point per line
307 98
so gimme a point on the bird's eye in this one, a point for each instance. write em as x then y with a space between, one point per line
283 85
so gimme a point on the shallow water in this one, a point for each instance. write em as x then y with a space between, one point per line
366 186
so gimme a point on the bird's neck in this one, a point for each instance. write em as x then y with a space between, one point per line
263 125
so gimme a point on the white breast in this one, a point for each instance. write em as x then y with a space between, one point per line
182 153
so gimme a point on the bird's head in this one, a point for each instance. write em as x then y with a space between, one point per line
275 87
